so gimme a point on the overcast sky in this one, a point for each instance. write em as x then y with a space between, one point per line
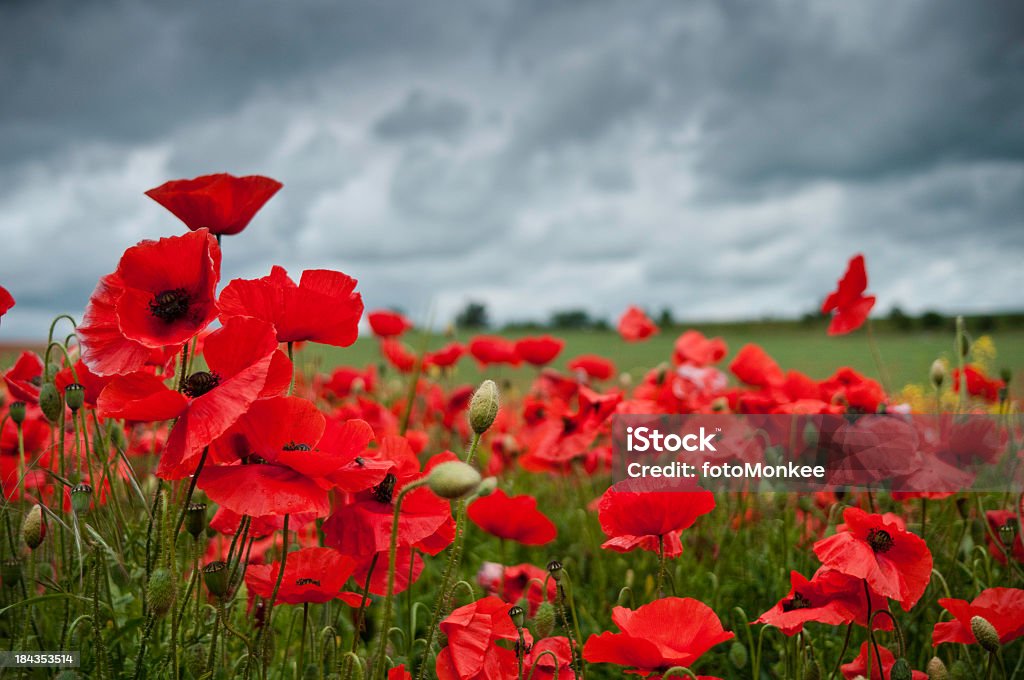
720 158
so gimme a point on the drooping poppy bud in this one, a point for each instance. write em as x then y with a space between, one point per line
74 395
215 575
901 670
985 633
544 620
50 402
738 654
161 592
33 528
453 480
937 670
81 497
17 412
483 407
10 572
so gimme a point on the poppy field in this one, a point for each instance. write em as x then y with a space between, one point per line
204 478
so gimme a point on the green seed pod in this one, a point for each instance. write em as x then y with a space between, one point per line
81 498
195 519
10 572
33 528
195 659
453 479
17 412
518 616
937 670
215 575
74 395
555 569
483 407
544 620
985 633
738 654
1008 532
50 402
901 670
162 592
961 671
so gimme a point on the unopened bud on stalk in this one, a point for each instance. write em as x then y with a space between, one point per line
215 575
900 670
936 669
116 433
33 528
518 616
937 374
50 402
74 395
81 497
487 487
161 592
195 519
17 411
483 407
544 620
963 341
10 572
453 479
738 654
985 633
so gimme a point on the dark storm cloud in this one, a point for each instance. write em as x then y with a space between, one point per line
723 158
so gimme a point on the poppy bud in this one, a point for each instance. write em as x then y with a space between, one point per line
937 374
555 569
453 479
10 572
116 433
544 620
33 528
161 592
215 575
195 519
50 402
936 669
518 616
738 654
195 659
1008 532
985 633
483 407
963 341
81 497
487 487
961 508
17 412
900 670
74 395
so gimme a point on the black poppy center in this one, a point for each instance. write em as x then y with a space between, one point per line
170 305
293 446
384 491
253 459
798 601
879 540
307 582
199 383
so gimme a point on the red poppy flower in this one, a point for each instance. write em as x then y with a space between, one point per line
859 393
6 301
635 325
162 294
1002 607
753 366
512 517
323 307
24 378
672 631
388 324
222 203
896 563
243 364
594 366
516 582
830 597
399 673
91 383
291 459
445 357
693 348
849 303
539 665
540 350
310 575
472 652
488 349
398 355
858 668
979 384
636 513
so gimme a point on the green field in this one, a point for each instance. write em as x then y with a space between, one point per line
906 356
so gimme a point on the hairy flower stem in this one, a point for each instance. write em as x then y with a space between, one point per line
380 663
661 565
188 496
